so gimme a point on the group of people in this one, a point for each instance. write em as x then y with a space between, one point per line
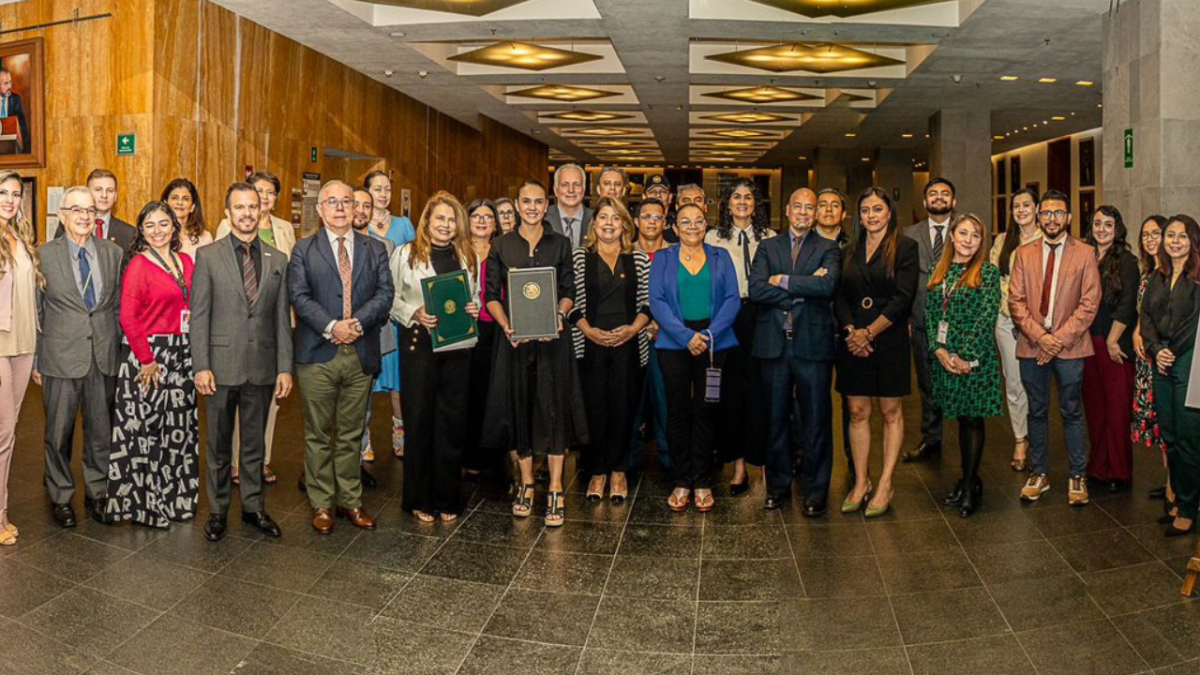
722 342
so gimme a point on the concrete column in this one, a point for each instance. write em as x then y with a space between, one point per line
1152 88
894 173
830 169
962 154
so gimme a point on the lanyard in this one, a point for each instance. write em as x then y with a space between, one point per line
947 294
177 276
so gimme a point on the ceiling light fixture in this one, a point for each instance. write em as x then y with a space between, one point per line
749 118
764 95
740 133
586 116
851 134
821 57
562 93
1048 80
906 135
467 7
1009 78
840 8
523 55
600 131
1085 83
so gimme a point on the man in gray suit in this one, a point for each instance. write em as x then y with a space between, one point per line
569 216
242 352
931 236
77 353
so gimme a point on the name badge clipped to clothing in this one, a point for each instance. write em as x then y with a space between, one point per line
712 375
185 321
943 333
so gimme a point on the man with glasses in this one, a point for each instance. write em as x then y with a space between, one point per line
341 289
569 216
1054 292
658 188
792 280
77 355
278 233
649 223
931 236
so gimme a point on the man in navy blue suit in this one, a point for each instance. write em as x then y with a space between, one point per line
794 277
11 106
341 289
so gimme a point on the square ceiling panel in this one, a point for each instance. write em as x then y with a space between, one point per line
464 7
764 95
841 8
812 58
523 55
551 92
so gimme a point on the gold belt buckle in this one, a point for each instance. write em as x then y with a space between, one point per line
868 303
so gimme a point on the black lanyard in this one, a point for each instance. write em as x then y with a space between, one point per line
177 276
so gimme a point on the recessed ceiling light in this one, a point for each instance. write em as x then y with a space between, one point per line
586 116
1009 78
561 93
764 95
523 55
997 138
851 134
1048 80
740 133
1058 118
866 159
906 135
1085 83
802 157
821 57
749 118
600 131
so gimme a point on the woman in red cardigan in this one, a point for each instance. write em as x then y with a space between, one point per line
154 473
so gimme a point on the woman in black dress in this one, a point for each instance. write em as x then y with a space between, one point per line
612 307
535 403
879 282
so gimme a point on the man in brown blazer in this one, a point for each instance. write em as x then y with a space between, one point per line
1053 295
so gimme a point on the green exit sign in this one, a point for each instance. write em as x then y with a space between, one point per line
126 145
1129 148
314 155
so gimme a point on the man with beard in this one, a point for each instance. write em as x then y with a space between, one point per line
1054 292
931 236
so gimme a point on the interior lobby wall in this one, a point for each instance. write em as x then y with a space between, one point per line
1034 161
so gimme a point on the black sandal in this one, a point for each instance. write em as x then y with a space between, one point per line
554 510
522 505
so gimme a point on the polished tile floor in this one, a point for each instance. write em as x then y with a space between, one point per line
625 589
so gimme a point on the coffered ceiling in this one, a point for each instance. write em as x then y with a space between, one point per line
757 82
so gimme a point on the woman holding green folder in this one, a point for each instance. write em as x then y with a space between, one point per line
435 383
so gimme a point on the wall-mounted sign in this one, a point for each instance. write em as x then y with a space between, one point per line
314 154
126 145
1129 148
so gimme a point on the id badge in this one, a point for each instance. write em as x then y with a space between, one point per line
943 332
712 385
185 321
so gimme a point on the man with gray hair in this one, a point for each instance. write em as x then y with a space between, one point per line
569 216
613 182
77 354
341 288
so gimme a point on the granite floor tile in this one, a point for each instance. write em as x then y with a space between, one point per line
450 604
996 655
236 606
943 616
539 616
1093 647
359 582
654 578
738 628
1030 604
90 621
283 567
928 571
145 579
23 588
632 624
564 572
194 649
480 563
497 656
71 557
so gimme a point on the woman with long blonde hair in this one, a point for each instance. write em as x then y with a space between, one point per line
20 280
435 381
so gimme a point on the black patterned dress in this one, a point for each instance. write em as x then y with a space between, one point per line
970 314
1144 428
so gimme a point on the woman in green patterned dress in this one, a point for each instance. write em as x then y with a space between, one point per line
964 300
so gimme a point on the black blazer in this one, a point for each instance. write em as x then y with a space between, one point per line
1120 305
890 296
315 289
807 298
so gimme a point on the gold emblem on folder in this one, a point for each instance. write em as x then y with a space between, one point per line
532 291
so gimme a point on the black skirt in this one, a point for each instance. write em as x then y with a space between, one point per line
741 425
535 402
885 373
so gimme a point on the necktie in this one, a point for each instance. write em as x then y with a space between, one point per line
4 107
1048 281
795 252
249 276
344 270
569 229
938 243
745 243
85 273
99 228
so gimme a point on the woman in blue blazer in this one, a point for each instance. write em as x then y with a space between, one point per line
694 298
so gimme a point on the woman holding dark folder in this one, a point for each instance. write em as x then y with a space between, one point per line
612 308
535 403
435 382
694 298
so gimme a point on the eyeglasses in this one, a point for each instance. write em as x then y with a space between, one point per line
334 202
651 219
686 224
1152 235
482 217
804 208
507 214
1057 215
78 211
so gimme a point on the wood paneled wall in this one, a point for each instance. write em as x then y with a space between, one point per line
208 93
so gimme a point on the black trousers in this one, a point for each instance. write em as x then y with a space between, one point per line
742 433
253 402
970 442
690 419
435 405
799 397
931 412
611 384
477 457
63 399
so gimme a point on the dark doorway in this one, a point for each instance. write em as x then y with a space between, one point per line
1058 166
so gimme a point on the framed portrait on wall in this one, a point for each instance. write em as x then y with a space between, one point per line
1014 169
1001 178
1087 162
406 203
22 104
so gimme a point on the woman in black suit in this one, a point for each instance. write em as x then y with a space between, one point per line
612 307
879 282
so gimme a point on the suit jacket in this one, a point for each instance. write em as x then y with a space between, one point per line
807 298
555 221
240 344
17 109
71 335
409 296
920 234
668 312
285 234
315 288
1075 302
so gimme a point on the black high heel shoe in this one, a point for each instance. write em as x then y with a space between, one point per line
956 495
972 500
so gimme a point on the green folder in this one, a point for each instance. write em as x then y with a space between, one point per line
446 297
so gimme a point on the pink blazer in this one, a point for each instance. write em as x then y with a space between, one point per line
1075 303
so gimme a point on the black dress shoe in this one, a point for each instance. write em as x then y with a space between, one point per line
956 495
214 529
813 508
1159 492
972 500
64 515
95 510
263 523
922 452
774 502
367 479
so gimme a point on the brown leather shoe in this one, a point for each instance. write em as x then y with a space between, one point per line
357 517
322 521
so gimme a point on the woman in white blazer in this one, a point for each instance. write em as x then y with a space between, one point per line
435 382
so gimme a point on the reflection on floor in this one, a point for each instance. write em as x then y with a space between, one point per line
628 589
